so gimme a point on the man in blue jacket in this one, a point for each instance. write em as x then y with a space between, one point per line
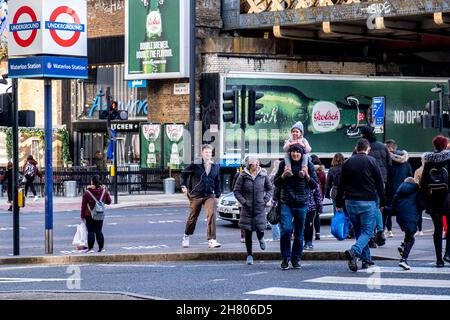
204 190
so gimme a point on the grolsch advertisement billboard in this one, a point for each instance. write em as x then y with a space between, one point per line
156 39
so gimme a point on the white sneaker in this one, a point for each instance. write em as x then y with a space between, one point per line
36 198
419 234
185 242
390 234
213 243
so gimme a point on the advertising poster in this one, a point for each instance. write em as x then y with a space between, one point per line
156 39
332 110
174 146
151 136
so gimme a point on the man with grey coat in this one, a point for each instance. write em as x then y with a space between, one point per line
254 191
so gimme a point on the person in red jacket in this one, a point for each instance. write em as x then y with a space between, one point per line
94 227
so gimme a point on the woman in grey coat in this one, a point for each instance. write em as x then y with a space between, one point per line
254 192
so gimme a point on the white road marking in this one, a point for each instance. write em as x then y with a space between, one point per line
27 280
402 282
72 251
218 280
343 295
136 265
161 246
422 270
11 228
112 223
164 221
254 274
39 266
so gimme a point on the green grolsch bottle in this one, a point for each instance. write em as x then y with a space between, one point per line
152 63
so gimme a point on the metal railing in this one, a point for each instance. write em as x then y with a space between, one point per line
131 179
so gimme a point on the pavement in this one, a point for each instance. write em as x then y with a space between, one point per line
62 204
327 248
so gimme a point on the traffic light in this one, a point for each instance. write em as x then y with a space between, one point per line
26 117
431 120
113 112
254 96
5 110
231 103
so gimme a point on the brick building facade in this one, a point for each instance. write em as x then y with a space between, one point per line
224 44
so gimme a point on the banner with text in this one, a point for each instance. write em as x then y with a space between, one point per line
156 39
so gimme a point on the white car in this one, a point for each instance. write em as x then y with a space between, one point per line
228 209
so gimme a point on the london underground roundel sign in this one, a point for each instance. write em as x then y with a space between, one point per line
41 27
54 25
24 27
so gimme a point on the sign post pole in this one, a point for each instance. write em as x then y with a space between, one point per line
15 178
48 166
39 48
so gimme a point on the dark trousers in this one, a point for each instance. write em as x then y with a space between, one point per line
309 225
317 223
248 240
30 184
408 244
387 221
94 228
419 222
437 236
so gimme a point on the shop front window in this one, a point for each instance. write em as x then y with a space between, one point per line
88 102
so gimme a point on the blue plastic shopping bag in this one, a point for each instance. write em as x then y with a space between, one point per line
340 225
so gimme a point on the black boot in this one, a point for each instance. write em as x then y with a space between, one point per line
380 240
437 239
407 246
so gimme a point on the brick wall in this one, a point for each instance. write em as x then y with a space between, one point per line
106 18
163 105
213 63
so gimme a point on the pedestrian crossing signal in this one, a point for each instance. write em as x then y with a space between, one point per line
231 106
254 96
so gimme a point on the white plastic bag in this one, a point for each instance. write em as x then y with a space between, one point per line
80 238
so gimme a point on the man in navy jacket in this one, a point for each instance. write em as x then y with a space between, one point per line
204 190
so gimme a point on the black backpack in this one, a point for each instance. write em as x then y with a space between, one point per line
438 181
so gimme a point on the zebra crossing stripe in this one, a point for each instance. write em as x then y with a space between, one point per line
402 282
421 270
343 295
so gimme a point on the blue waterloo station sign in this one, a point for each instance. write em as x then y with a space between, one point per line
48 67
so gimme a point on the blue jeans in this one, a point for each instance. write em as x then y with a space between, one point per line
362 216
378 217
292 219
275 231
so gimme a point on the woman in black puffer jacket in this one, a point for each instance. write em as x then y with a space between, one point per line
254 192
437 167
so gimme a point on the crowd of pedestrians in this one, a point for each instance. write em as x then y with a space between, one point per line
296 186
386 187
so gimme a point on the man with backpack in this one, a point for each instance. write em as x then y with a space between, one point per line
30 171
435 189
93 212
